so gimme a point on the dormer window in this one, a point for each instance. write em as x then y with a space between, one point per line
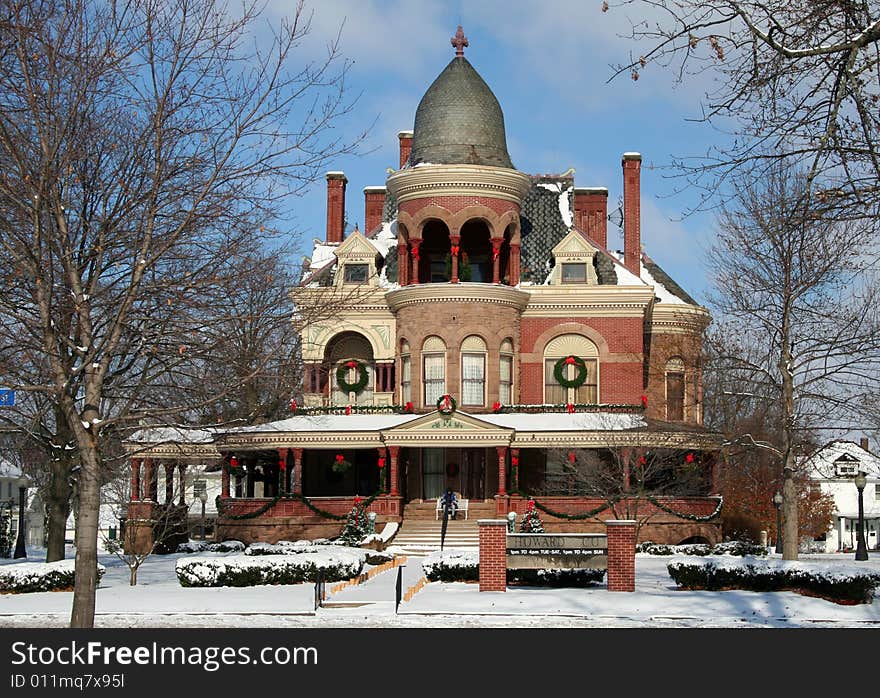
846 466
356 273
574 273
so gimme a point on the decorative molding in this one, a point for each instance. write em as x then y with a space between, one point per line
458 180
461 292
679 319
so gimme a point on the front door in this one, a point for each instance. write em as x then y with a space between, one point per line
433 472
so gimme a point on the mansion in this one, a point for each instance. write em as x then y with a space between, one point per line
479 335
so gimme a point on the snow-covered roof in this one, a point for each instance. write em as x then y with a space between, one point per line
329 422
7 469
153 435
563 421
627 278
322 254
825 462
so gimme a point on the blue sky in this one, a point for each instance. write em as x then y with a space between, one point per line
549 64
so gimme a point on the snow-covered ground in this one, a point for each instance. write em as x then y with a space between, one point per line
159 601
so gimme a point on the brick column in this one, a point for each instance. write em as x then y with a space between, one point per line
169 483
297 470
402 264
381 463
496 260
136 479
282 470
632 242
395 452
414 277
181 479
514 264
149 479
493 555
336 182
454 242
224 480
502 469
621 555
405 138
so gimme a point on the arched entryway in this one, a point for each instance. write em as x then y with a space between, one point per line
349 348
434 253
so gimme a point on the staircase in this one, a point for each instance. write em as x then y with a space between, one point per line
419 533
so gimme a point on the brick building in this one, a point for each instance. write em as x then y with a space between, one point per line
484 338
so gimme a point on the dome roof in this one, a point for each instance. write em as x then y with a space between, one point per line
459 121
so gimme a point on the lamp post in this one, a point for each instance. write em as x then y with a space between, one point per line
203 497
23 482
777 502
861 548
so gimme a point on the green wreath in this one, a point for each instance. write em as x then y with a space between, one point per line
358 386
559 371
453 405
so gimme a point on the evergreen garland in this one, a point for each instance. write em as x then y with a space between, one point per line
223 509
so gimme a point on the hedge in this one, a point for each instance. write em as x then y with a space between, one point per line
245 571
30 577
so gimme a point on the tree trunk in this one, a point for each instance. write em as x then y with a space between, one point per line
789 515
133 574
58 506
85 580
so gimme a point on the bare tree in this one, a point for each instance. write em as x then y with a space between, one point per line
797 82
142 145
797 333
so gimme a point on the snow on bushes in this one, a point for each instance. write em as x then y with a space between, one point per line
198 546
555 578
734 547
452 566
295 568
835 582
28 577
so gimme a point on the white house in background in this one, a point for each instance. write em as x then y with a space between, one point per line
9 500
832 469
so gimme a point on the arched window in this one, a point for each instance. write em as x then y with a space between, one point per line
433 370
351 347
473 371
564 346
675 389
505 367
405 373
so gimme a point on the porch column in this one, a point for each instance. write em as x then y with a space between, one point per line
381 463
297 470
454 241
282 470
181 478
502 469
402 264
414 279
514 469
395 452
135 479
224 480
149 479
716 475
169 483
514 264
496 260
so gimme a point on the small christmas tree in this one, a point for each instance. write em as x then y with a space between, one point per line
357 527
531 522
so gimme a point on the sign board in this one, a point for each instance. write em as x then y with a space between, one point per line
200 487
7 397
557 551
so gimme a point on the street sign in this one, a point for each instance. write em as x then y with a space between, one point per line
7 398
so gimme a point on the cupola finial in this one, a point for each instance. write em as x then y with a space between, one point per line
459 41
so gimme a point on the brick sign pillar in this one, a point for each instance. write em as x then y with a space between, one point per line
493 555
621 555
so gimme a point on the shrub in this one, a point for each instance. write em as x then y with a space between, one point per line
835 583
739 547
242 571
29 577
452 566
198 546
734 547
555 578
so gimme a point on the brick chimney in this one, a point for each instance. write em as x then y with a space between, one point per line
335 206
863 442
632 242
374 202
405 138
591 213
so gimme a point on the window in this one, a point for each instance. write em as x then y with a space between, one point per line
583 348
473 371
405 374
574 273
675 390
356 273
505 367
433 370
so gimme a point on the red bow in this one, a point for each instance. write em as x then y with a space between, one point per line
571 456
570 360
339 458
514 461
689 458
381 461
293 406
357 500
408 407
415 252
642 460
348 409
233 462
531 504
644 400
570 408
454 250
352 364
496 406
